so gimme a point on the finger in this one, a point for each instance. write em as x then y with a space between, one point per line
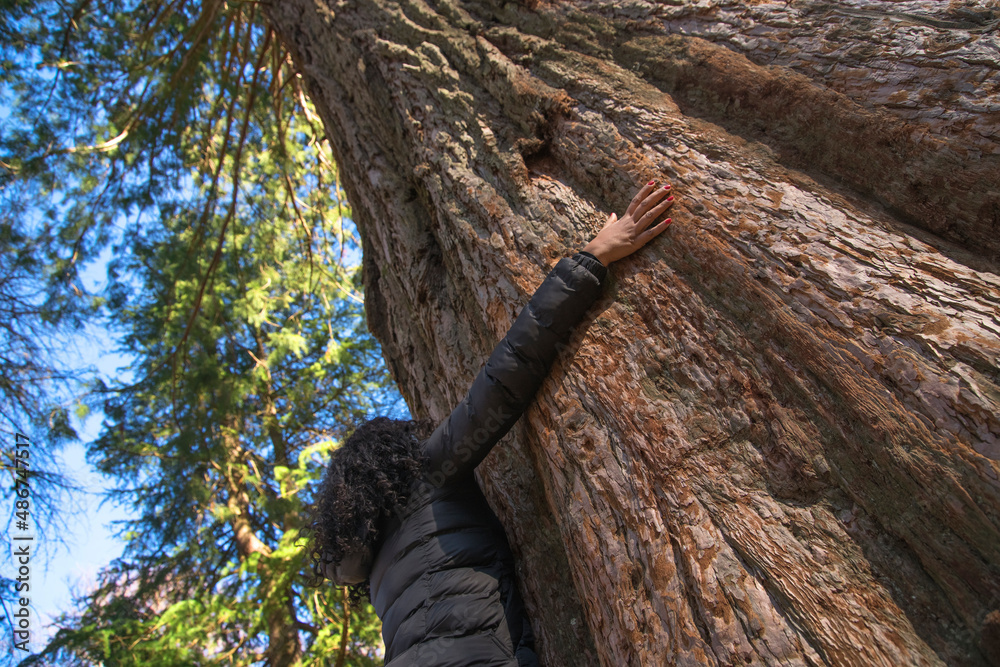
650 201
639 196
651 215
652 232
612 218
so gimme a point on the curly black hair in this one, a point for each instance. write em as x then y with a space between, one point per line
369 478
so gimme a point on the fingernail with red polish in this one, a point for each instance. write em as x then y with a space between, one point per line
666 187
651 182
670 198
668 221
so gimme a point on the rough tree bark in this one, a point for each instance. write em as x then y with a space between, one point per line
776 439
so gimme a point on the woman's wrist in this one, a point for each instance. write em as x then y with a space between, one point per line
597 251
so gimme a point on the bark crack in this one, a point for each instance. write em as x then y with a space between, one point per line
690 585
758 577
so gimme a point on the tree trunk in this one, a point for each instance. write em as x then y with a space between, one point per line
276 596
775 441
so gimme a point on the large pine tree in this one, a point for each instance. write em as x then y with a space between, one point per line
777 440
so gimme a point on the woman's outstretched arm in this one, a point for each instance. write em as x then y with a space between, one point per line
507 383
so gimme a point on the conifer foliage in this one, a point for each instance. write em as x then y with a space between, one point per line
177 134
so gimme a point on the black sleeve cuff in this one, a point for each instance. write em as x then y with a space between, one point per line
592 264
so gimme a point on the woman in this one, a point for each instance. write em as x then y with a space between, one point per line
399 515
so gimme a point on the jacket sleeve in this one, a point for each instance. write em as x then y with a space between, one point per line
507 383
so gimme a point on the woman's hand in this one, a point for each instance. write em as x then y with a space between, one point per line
620 238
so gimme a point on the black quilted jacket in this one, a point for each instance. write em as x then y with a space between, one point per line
442 580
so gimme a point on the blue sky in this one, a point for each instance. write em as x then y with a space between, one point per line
90 543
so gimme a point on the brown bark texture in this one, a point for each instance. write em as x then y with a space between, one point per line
774 440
